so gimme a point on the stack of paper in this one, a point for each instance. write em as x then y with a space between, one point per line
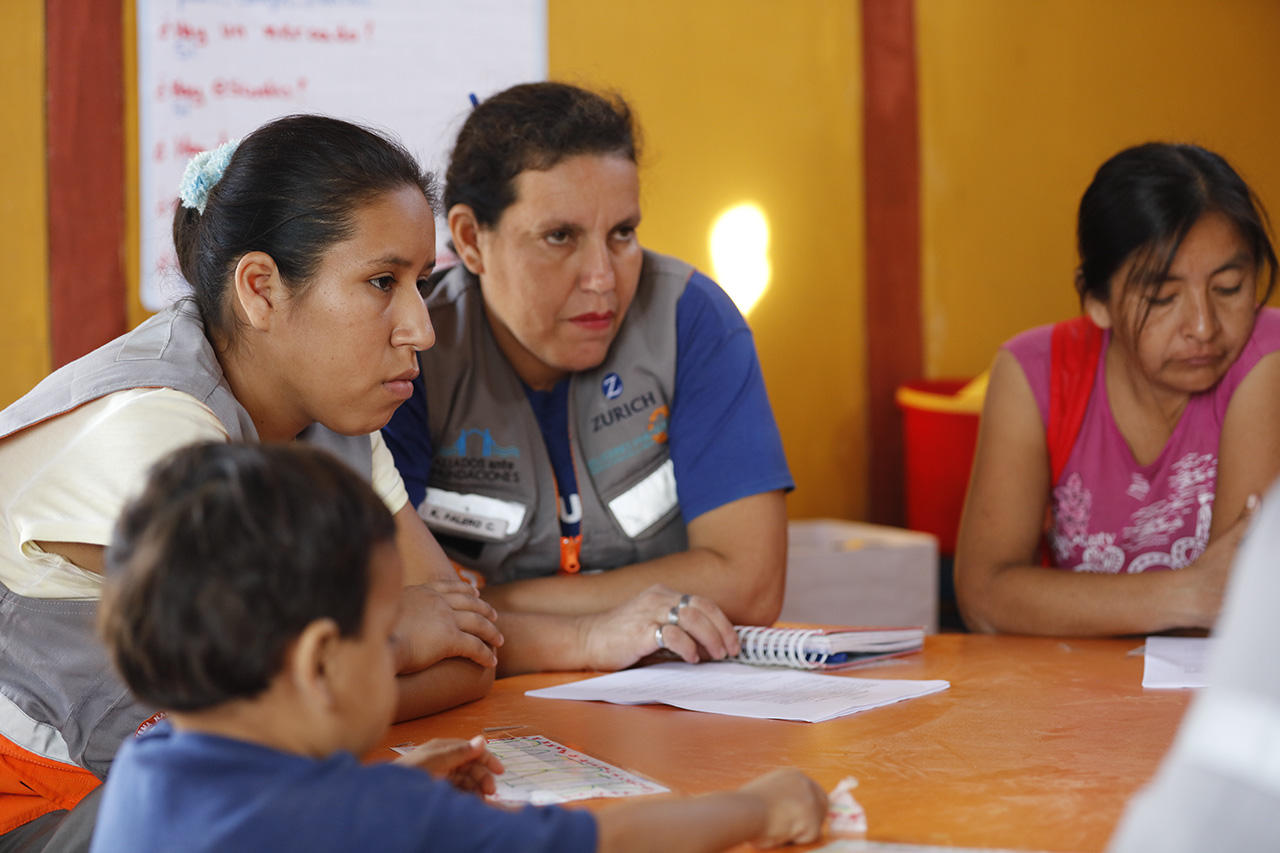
744 691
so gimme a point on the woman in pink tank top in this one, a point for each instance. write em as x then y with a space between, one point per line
1135 439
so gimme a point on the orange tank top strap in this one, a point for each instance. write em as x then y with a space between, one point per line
1074 350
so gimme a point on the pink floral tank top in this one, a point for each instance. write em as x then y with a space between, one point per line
1110 513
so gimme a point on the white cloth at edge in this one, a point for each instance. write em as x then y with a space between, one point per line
1219 787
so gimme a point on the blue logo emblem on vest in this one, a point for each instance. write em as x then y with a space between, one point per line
612 386
488 447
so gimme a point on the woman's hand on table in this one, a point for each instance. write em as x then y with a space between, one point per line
467 764
444 619
795 807
690 626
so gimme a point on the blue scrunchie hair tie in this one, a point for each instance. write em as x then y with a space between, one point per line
203 171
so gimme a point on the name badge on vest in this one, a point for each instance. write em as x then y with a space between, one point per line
645 503
475 516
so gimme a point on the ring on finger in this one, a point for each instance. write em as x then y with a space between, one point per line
657 635
673 615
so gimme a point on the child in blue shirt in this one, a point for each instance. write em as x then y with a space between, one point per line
252 592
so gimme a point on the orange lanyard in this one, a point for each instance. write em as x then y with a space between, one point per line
570 546
570 553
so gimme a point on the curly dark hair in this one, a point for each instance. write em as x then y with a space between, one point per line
228 554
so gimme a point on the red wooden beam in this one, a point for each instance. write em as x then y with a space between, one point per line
891 152
84 72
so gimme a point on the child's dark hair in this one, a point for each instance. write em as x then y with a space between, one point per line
292 190
531 126
227 555
1144 200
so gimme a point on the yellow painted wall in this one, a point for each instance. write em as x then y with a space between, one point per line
741 100
24 290
134 312
1022 101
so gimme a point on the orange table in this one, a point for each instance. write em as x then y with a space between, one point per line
1038 744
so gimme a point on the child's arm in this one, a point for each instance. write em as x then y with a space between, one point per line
782 807
467 764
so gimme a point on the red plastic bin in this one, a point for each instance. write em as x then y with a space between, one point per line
940 430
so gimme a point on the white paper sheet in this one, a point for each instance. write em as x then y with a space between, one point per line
1174 662
743 691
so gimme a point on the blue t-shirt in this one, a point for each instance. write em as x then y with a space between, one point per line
724 440
171 790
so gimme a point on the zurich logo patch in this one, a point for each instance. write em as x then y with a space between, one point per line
612 386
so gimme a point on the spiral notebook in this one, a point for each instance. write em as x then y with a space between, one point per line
824 648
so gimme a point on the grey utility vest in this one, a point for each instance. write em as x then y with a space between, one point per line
59 695
491 493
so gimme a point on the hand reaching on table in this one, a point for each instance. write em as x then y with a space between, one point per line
795 807
690 626
444 619
782 807
467 764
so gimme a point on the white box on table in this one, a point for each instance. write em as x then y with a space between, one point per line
853 573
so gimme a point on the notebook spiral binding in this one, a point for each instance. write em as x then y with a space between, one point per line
778 647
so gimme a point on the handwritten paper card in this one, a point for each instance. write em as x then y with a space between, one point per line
743 691
541 772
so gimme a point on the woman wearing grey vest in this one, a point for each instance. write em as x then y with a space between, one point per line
591 435
305 246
